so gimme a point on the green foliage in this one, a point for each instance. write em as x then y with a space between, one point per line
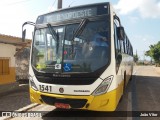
154 52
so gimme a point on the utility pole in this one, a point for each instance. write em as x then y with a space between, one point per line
59 4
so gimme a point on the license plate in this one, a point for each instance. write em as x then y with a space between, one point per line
62 105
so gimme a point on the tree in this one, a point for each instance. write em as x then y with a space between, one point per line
154 52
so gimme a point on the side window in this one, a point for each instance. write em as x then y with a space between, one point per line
122 46
118 49
132 51
125 45
129 49
117 43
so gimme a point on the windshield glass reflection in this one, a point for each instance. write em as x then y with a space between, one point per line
85 52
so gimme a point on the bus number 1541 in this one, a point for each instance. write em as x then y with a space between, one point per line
45 88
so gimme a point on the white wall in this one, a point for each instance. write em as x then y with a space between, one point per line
8 51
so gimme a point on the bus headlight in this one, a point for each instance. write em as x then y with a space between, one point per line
32 84
104 86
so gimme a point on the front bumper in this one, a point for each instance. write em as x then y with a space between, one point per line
105 102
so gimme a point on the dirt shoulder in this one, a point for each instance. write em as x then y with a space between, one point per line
157 70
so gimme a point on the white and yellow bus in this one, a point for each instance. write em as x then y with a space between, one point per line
81 58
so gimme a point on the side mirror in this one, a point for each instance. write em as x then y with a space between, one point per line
120 33
23 35
24 31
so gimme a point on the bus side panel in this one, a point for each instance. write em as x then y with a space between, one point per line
119 91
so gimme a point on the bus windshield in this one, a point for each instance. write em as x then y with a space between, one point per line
84 52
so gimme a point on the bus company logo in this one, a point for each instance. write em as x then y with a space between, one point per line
61 90
81 90
60 75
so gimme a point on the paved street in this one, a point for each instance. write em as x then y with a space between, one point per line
14 100
142 94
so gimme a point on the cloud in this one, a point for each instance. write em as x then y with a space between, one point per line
127 6
150 8
146 8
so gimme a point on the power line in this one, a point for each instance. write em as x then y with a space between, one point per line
71 3
52 5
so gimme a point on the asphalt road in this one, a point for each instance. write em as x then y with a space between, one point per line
14 99
141 94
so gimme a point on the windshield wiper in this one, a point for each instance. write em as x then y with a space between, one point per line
54 35
81 27
79 30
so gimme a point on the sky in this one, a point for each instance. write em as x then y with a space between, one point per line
140 18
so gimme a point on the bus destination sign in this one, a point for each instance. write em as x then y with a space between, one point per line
74 13
69 14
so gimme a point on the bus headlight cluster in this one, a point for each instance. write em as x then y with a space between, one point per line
32 84
104 86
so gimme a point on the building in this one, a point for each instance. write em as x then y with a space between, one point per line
10 49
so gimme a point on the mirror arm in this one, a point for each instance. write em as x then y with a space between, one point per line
117 18
28 22
24 31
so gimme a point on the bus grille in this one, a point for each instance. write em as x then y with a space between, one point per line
74 103
66 81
